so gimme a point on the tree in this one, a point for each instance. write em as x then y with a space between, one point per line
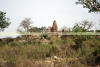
4 22
24 28
83 26
43 29
77 28
25 25
92 5
36 29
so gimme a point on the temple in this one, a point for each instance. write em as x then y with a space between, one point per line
54 27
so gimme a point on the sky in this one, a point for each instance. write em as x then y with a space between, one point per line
44 12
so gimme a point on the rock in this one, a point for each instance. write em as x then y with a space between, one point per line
55 57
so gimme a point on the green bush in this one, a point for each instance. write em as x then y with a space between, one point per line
45 36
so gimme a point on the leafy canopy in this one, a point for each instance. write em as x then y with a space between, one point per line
84 26
92 5
4 22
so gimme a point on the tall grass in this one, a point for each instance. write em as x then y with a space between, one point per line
69 52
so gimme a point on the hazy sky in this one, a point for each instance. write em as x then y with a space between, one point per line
43 12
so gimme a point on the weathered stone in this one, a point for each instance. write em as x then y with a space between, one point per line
49 29
54 27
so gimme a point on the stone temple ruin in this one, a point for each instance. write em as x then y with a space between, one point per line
54 27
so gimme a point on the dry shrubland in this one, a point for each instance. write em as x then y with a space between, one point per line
51 51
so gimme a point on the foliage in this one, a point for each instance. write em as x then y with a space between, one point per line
4 22
83 26
42 29
36 29
77 28
92 5
68 52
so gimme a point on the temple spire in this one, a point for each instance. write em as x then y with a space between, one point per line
54 27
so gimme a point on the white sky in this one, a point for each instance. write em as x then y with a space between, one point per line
43 12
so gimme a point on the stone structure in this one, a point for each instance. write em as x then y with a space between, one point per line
54 27
49 29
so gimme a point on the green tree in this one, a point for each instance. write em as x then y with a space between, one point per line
83 26
77 28
42 29
36 29
4 22
92 5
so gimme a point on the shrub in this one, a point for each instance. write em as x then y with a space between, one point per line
45 36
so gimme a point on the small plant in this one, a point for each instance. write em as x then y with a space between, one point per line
45 36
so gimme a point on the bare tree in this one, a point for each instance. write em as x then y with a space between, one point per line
25 25
24 28
86 24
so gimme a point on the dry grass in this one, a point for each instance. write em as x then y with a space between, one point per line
34 53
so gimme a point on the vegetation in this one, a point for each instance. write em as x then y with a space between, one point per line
92 5
4 22
84 26
36 29
25 25
61 52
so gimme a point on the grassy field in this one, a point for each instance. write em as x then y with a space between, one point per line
50 51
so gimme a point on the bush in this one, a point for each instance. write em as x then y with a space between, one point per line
45 36
82 52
